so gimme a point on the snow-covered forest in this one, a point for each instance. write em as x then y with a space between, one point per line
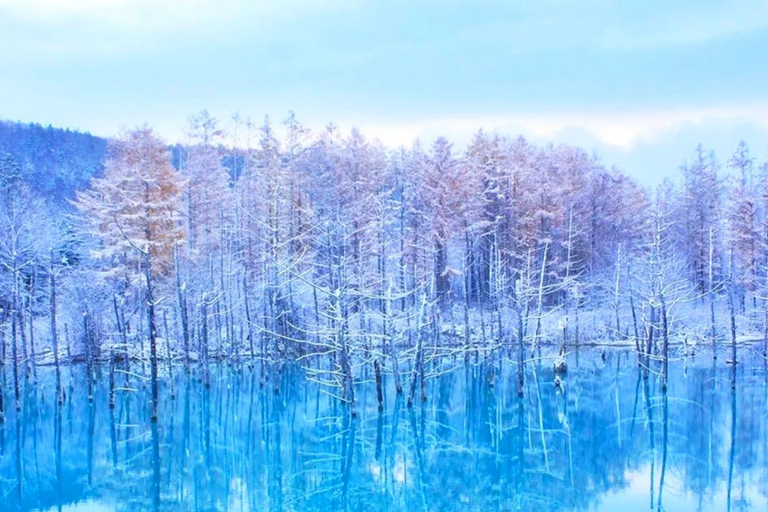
327 250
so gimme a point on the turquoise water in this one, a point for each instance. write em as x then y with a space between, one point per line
612 441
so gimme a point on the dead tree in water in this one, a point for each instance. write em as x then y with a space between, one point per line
2 367
711 294
248 320
339 343
379 390
418 377
389 340
617 292
182 305
89 353
2 400
540 297
151 322
151 325
168 354
54 335
520 297
14 342
731 288
112 378
663 287
204 348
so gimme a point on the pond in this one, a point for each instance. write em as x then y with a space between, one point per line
605 440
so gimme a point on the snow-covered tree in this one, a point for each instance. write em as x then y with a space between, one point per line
700 210
136 202
743 221
207 198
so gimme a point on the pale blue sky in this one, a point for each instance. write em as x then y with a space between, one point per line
639 82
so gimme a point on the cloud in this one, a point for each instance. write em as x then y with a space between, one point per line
617 129
650 145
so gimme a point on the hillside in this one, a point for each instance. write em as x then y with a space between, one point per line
55 162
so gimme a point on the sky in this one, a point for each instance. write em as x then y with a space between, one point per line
639 83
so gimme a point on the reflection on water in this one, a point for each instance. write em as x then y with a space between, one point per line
611 441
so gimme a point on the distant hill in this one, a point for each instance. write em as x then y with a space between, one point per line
54 161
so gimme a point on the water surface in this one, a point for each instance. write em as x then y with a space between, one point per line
610 441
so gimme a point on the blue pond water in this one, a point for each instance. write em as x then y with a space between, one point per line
611 442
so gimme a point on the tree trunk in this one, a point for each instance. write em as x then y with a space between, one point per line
87 342
665 347
182 304
711 293
111 379
14 345
732 314
204 342
246 301
151 325
539 308
379 390
168 355
30 313
54 337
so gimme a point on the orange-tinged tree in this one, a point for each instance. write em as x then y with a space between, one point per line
135 205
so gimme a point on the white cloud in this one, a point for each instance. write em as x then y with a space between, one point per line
616 129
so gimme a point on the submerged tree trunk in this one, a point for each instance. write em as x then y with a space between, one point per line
182 305
539 307
649 343
389 337
111 379
14 344
379 390
151 325
765 329
732 313
87 342
54 337
2 376
616 296
249 326
634 324
30 313
2 397
204 342
665 345
521 351
169 355
418 364
711 293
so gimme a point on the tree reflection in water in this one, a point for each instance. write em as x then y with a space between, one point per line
607 439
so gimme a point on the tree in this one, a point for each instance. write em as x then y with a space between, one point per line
743 220
136 202
447 193
207 195
133 211
699 209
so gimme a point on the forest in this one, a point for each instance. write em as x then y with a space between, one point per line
354 262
